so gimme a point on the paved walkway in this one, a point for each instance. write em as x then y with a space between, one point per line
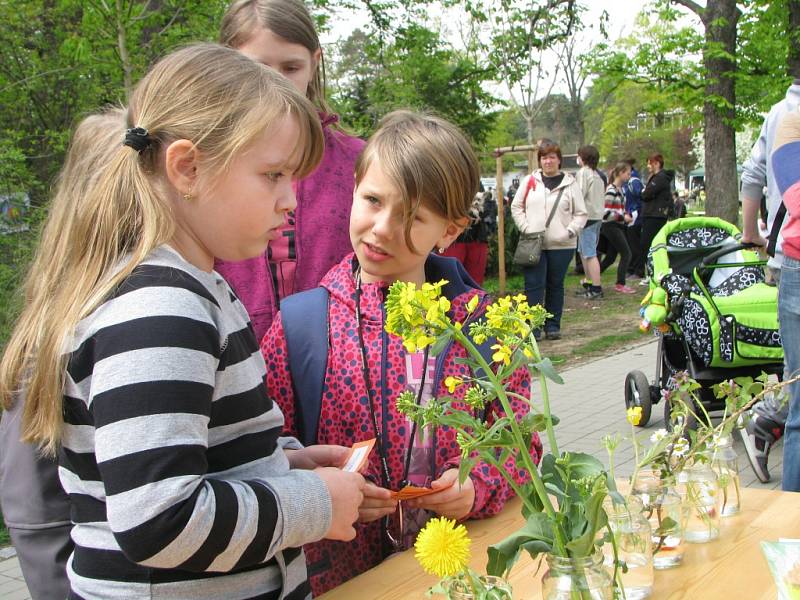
589 404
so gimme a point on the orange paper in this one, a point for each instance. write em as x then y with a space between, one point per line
359 454
410 492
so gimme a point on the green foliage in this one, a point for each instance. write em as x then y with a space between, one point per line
62 59
418 70
5 539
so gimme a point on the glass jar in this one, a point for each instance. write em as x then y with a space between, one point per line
458 590
699 486
725 462
667 514
577 578
633 537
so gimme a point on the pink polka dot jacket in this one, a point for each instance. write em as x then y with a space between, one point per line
345 417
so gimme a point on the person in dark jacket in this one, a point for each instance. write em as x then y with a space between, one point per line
633 219
472 246
656 201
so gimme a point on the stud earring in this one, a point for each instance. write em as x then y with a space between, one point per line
442 249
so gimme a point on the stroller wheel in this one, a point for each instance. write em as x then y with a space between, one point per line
637 393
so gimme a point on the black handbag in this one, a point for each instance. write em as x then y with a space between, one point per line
530 245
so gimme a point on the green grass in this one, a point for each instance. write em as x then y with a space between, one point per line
606 342
4 538
619 314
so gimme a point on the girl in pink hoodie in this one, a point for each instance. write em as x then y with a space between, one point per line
415 181
281 35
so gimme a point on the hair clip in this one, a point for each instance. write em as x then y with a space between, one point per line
137 138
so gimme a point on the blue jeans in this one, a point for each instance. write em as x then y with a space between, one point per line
789 317
544 284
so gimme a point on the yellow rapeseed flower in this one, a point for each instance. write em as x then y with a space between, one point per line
473 304
442 547
634 415
452 383
502 353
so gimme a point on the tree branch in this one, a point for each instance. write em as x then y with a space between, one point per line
692 6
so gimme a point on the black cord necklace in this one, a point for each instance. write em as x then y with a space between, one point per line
379 441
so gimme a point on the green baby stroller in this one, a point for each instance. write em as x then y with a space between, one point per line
714 315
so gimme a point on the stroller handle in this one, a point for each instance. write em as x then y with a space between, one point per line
717 254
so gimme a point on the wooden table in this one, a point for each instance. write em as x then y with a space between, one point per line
730 568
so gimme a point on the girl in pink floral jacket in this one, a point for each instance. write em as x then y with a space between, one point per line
414 183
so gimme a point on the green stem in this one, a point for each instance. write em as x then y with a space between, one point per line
533 471
512 484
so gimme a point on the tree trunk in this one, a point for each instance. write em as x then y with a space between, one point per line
793 64
529 128
722 194
122 48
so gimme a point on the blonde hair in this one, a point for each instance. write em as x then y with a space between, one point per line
429 160
288 19
107 217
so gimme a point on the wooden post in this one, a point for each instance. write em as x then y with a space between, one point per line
501 227
531 161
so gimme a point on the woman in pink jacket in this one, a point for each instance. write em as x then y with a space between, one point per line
281 35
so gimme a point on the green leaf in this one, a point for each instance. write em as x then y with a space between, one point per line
464 468
546 368
583 465
504 554
596 519
440 343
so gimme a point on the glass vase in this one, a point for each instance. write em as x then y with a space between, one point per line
633 539
667 514
577 578
458 590
725 463
699 484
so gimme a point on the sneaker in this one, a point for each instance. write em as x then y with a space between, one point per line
585 286
553 334
644 281
624 289
591 294
758 436
633 276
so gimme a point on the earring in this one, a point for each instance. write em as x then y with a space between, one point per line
187 196
442 249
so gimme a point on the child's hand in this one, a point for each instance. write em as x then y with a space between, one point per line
377 503
453 502
313 457
346 490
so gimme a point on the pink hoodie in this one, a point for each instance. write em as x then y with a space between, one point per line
345 418
322 230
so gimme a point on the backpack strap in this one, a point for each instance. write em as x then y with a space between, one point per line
531 186
305 317
772 240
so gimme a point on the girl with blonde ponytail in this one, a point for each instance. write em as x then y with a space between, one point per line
35 508
139 365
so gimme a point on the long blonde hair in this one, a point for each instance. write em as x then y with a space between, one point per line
429 160
288 19
105 220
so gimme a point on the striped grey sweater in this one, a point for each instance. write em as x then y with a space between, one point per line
171 451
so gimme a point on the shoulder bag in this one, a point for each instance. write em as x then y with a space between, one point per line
529 248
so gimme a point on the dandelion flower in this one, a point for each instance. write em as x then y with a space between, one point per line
634 415
442 547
